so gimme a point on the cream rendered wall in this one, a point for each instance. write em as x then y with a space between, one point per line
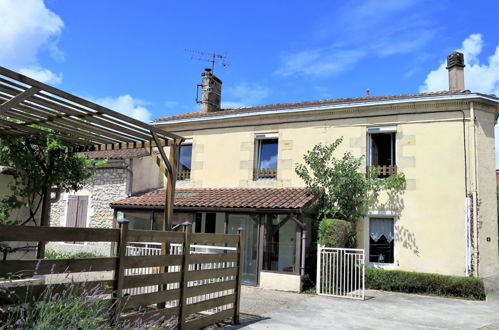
430 228
146 175
488 233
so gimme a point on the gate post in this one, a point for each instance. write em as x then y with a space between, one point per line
318 275
185 269
237 302
119 272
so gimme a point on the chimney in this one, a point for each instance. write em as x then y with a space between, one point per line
211 92
455 66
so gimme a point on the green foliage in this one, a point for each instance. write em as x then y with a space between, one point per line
425 283
51 254
36 166
335 233
341 190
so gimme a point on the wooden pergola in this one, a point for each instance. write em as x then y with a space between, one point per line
29 107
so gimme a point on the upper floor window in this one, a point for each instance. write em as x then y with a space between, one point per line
381 149
266 156
184 160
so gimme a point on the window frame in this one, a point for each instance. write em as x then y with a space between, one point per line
184 175
367 244
393 146
257 155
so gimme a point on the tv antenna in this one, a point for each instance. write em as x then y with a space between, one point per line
213 58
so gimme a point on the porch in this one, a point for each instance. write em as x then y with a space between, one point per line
274 220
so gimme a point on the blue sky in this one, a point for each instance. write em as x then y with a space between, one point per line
130 55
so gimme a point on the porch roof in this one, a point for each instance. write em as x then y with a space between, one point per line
224 199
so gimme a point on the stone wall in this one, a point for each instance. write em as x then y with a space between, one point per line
105 187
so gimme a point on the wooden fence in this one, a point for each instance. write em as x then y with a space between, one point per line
187 291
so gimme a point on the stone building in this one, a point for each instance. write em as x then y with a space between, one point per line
127 172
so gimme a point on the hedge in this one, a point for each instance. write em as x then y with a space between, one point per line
334 233
425 283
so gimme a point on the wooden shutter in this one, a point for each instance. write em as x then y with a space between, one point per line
81 216
77 211
72 211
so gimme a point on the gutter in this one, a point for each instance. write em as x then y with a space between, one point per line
207 209
252 113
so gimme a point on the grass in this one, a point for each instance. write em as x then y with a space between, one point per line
51 254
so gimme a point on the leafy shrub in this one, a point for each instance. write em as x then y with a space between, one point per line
335 233
51 254
425 283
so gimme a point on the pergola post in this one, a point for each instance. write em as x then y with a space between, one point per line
44 219
170 186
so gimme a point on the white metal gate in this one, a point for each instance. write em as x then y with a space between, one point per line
340 272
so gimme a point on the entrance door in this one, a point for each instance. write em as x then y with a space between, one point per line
250 225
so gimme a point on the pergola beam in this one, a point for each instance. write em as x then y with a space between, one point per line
18 99
33 109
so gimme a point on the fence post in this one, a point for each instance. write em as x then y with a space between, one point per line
119 272
185 269
240 250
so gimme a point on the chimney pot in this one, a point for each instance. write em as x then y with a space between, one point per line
211 92
455 66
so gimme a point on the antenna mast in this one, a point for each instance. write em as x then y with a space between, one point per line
213 58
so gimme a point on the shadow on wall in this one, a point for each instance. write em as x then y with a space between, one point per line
407 239
395 202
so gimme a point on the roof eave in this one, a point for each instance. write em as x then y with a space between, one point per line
452 97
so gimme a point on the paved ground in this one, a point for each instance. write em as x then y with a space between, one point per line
383 310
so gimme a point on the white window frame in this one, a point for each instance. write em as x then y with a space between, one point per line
258 150
381 214
186 142
381 129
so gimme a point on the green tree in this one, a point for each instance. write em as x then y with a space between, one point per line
36 166
341 190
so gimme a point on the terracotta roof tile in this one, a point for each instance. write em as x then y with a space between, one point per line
117 154
270 107
258 198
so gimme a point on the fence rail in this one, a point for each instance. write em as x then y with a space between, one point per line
199 284
341 272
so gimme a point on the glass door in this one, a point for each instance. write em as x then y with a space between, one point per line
250 224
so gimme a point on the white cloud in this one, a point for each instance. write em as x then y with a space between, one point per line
356 30
483 78
28 28
244 95
43 75
127 105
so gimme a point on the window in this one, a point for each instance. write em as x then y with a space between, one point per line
279 244
381 144
381 240
266 156
184 161
76 215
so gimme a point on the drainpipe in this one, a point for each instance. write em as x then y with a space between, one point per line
474 194
303 247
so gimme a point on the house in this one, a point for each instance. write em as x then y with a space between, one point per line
236 168
125 173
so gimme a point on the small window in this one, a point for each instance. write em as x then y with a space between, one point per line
184 162
266 156
381 144
381 240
